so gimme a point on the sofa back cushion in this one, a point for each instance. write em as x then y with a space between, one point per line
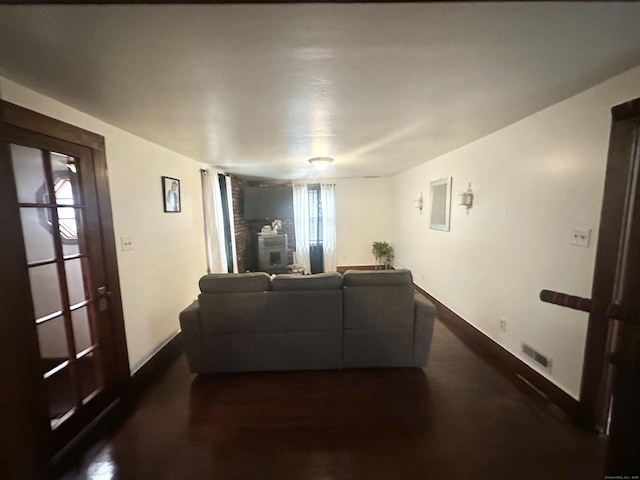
318 281
253 303
378 278
378 299
235 282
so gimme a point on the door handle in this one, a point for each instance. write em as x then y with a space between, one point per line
104 294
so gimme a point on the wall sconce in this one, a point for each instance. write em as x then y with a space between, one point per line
419 203
466 198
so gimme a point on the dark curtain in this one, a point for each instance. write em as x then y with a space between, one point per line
222 180
315 229
316 258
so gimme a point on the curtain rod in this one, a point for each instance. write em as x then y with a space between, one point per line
204 171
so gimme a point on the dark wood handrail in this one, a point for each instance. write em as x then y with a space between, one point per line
611 310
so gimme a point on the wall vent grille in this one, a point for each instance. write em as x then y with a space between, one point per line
540 359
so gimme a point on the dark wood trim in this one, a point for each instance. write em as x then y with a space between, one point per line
103 424
626 111
153 368
116 413
612 311
110 264
593 402
24 421
37 122
507 363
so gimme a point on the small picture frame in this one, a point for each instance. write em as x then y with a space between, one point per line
171 195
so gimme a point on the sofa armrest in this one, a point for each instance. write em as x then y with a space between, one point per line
424 315
192 337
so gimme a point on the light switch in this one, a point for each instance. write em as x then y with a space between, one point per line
580 237
126 243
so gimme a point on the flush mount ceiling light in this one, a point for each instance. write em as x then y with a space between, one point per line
320 163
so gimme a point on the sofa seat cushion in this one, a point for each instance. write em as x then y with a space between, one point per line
376 348
318 281
235 282
273 351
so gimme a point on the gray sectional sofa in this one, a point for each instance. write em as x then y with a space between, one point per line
253 322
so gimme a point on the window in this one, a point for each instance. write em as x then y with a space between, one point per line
65 201
66 215
315 215
316 253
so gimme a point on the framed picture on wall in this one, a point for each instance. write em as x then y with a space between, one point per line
171 195
440 204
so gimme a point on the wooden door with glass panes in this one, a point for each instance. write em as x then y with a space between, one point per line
57 201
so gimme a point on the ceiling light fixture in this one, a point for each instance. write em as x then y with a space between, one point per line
320 163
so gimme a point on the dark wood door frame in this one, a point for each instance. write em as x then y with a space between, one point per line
25 437
593 396
25 415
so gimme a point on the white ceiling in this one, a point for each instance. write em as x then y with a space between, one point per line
258 89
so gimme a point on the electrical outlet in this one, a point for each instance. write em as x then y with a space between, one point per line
580 237
126 243
503 325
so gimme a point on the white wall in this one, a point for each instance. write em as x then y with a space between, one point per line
363 215
159 276
533 182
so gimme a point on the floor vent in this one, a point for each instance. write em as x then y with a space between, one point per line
539 358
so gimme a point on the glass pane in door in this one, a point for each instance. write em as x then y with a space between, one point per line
67 194
55 367
36 232
75 281
88 352
52 339
89 374
60 395
45 290
28 170
82 331
65 179
71 225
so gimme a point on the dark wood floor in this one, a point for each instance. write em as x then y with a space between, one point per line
457 419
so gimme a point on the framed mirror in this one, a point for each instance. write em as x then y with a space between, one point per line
440 204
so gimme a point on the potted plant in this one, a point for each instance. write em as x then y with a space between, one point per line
383 253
